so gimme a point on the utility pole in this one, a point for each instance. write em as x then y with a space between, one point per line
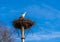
22 33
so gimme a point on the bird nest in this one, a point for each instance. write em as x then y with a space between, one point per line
23 22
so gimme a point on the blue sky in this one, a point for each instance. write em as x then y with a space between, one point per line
45 14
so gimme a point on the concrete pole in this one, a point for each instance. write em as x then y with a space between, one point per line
22 33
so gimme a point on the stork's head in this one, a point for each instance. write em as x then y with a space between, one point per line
23 15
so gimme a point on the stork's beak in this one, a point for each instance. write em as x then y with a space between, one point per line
23 15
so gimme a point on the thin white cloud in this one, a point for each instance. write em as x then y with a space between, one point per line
49 7
52 13
43 36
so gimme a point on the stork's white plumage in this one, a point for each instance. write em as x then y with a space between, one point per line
24 14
